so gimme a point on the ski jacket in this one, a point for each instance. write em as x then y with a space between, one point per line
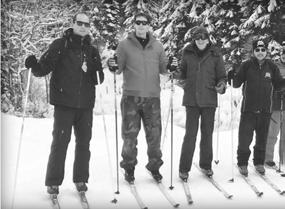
277 94
201 72
66 59
258 82
141 66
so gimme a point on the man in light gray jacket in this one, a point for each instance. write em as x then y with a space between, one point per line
141 59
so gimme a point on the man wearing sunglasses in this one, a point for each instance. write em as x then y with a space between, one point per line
73 63
141 59
202 68
259 76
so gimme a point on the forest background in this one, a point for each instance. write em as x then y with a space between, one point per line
29 26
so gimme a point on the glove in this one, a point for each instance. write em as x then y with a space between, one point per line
112 64
31 61
172 64
221 88
231 75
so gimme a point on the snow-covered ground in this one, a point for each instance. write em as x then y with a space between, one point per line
31 192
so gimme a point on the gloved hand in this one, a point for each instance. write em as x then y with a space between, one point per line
231 75
221 87
31 61
112 64
172 64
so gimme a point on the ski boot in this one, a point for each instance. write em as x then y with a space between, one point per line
184 176
130 175
81 186
243 170
52 190
260 169
271 164
207 172
156 175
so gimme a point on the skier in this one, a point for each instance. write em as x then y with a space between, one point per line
202 68
258 74
275 122
73 63
141 58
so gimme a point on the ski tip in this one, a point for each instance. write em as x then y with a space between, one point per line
230 196
114 201
259 194
176 205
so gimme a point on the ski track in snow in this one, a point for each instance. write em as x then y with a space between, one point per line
31 192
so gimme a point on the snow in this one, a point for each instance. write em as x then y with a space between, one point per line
31 192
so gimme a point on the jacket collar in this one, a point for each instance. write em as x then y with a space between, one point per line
76 40
132 37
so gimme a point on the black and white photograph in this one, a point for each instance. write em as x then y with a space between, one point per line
143 104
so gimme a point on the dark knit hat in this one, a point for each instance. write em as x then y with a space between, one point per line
258 43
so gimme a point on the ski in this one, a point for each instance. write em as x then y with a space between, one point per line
165 193
187 192
252 186
270 183
216 184
136 195
83 200
54 201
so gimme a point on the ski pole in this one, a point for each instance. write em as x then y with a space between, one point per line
21 137
171 125
218 124
232 135
116 129
106 138
281 133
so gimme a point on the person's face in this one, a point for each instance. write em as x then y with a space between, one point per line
201 41
141 26
81 26
260 53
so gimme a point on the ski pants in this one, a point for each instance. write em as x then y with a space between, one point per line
250 122
64 119
207 115
134 110
274 130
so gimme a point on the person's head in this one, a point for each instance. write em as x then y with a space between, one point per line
201 37
81 24
142 24
259 49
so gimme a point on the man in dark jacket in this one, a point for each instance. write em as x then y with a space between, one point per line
74 64
202 68
258 76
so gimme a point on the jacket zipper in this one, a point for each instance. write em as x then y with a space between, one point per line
80 83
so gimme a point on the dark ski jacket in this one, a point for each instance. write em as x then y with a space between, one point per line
258 81
201 72
277 94
69 85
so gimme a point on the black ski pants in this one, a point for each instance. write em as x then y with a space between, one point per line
250 122
207 115
64 119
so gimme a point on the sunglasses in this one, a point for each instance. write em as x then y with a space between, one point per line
139 22
201 36
260 50
80 23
